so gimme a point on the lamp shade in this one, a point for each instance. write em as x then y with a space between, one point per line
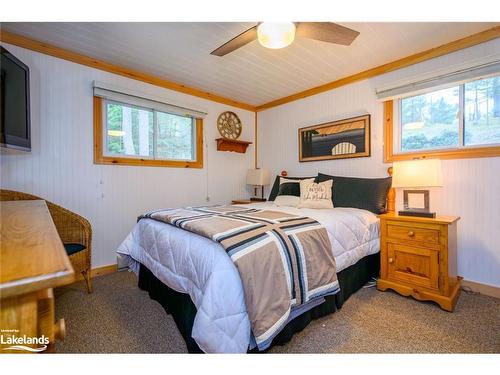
258 177
417 173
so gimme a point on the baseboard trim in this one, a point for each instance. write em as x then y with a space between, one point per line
486 289
99 271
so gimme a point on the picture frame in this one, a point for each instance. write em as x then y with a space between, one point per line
415 200
340 139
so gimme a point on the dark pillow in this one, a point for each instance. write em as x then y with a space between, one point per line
289 188
276 187
365 193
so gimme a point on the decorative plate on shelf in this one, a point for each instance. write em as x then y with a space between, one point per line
229 125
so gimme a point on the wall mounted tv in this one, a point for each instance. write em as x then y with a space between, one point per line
15 129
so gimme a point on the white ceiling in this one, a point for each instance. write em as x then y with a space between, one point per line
180 52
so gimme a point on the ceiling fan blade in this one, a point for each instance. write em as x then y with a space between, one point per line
238 41
327 32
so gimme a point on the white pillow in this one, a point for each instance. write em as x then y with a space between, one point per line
313 195
287 200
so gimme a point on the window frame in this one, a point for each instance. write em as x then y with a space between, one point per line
393 152
102 157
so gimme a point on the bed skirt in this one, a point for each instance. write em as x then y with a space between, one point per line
183 310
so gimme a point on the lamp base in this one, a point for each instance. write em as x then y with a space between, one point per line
418 213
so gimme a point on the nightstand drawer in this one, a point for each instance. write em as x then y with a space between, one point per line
413 265
411 233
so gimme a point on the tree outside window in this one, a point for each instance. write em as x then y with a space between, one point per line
434 120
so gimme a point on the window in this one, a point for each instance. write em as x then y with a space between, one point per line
129 131
459 121
430 121
482 112
175 138
135 135
134 131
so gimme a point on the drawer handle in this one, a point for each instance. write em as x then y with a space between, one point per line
60 330
391 260
411 234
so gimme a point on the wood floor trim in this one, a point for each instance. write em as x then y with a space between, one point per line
99 271
486 289
49 49
468 41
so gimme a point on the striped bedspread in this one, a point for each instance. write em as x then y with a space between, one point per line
285 261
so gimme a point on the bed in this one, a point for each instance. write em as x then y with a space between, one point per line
196 282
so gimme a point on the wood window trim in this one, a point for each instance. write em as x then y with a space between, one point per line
390 156
100 158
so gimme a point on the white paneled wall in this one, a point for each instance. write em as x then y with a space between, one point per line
278 132
60 166
471 186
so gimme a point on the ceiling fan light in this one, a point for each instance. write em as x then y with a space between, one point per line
276 35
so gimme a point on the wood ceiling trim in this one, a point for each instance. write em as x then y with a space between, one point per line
78 58
444 49
62 53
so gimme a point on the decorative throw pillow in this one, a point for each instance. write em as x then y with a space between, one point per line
289 187
288 193
276 186
315 195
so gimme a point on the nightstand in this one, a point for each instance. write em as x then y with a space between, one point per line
247 201
241 201
418 258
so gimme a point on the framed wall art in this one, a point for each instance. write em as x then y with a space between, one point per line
348 138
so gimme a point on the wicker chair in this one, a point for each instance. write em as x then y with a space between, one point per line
74 230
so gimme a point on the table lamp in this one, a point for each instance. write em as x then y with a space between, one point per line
258 177
417 174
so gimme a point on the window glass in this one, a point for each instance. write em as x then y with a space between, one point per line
129 130
482 112
430 121
175 137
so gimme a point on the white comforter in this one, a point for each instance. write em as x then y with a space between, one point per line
192 264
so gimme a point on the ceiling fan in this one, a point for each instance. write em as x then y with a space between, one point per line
280 35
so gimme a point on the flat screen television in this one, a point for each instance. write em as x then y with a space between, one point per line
15 127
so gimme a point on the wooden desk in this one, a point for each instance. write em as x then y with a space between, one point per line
32 262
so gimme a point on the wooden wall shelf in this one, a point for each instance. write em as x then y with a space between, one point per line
224 144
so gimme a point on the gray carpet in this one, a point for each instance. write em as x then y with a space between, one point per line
120 318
